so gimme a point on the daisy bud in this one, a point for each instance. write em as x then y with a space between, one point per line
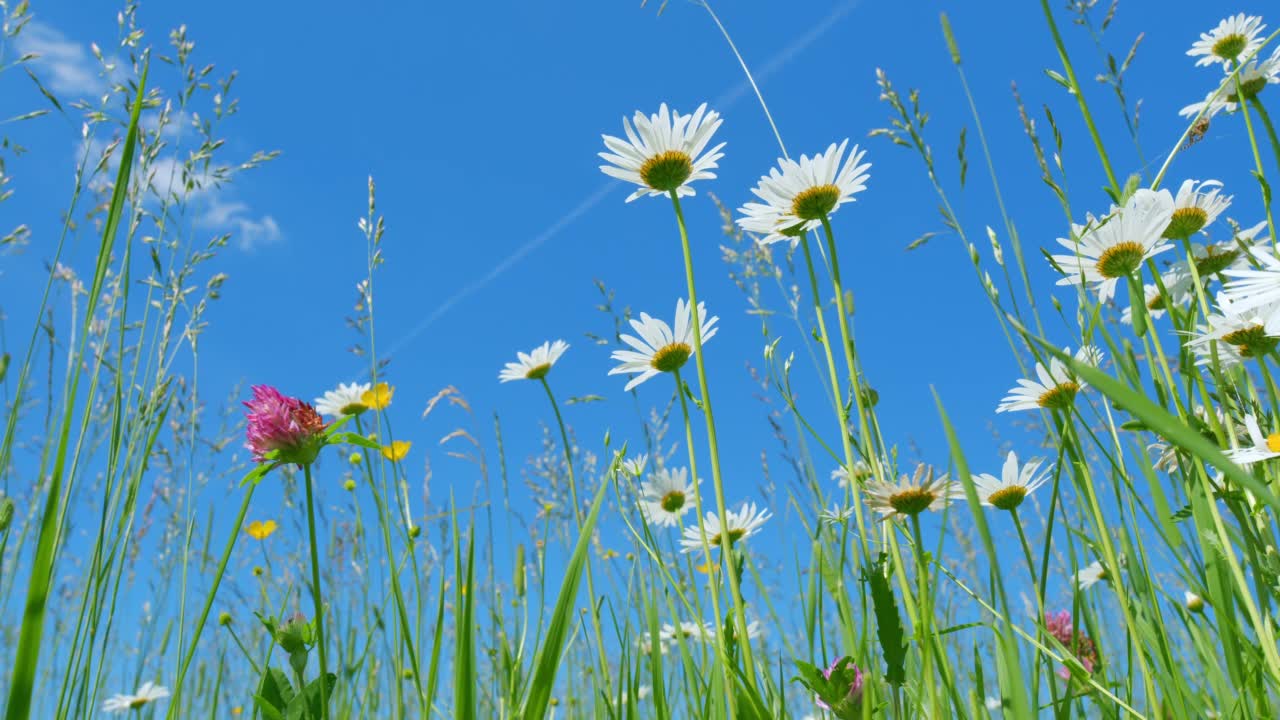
224 619
355 458
349 485
1194 602
414 531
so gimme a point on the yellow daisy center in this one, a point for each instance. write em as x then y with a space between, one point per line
667 171
672 501
1230 46
138 702
670 358
1186 221
1060 396
538 372
1273 442
1008 498
912 501
1120 259
816 202
1251 341
734 535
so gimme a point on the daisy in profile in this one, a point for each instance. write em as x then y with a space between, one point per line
836 515
1250 242
1235 39
535 364
1253 288
1178 285
686 630
635 465
910 495
1240 334
1107 250
1195 207
1013 486
737 526
1255 76
799 195
659 348
345 400
1265 447
666 496
861 471
149 692
1054 388
1090 575
664 152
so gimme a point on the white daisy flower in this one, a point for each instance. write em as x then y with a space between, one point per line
798 195
635 465
664 152
658 348
121 703
1264 447
1112 248
911 495
1235 38
1255 288
861 471
666 496
1013 486
1090 576
1251 242
1239 333
1195 207
836 515
738 526
1054 388
345 400
688 630
1177 283
1256 75
535 364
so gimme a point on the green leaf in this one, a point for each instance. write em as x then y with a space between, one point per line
310 702
274 693
888 622
259 471
354 439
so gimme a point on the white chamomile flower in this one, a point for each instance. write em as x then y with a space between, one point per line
737 526
799 195
1090 575
1253 78
1114 247
535 364
686 630
911 494
1239 333
1234 39
836 515
1013 486
635 465
664 152
658 348
666 496
861 471
1255 288
345 400
1054 388
1195 207
1264 447
149 692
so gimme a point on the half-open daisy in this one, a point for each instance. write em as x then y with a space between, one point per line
798 195
1195 207
658 348
1013 486
1234 39
1110 249
911 494
738 526
664 152
535 364
666 496
1090 575
344 400
1242 333
1264 447
148 692
1054 388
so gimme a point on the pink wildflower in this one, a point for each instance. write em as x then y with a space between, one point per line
852 698
287 425
1059 625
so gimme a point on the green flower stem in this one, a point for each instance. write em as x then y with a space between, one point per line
315 593
1257 160
208 603
739 604
1257 106
577 517
722 652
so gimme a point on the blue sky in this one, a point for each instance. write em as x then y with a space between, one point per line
481 122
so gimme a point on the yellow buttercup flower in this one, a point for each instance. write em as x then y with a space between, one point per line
396 451
377 397
259 530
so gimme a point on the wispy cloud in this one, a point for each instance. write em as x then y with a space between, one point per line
725 100
249 232
64 65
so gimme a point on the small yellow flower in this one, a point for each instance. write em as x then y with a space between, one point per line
396 451
237 710
706 568
259 530
609 554
377 397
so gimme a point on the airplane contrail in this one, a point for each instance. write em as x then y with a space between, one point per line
725 100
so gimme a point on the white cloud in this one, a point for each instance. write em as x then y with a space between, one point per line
67 67
236 217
